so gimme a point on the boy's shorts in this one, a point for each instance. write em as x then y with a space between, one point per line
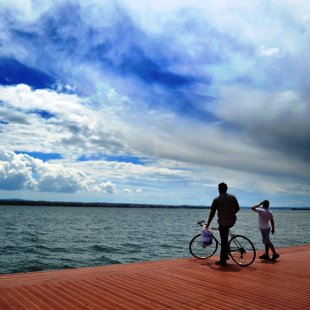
266 235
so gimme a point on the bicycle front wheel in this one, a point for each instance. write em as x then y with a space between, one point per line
242 250
201 250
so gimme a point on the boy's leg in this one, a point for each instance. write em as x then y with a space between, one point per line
275 255
266 242
272 248
269 244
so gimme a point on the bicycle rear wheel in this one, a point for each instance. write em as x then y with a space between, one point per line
242 250
201 250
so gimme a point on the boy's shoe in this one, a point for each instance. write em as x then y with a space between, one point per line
275 256
265 256
221 263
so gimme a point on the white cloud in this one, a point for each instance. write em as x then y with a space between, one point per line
270 52
79 130
23 97
106 187
15 173
23 172
76 127
249 105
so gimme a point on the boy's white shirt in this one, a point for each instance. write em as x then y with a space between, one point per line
264 215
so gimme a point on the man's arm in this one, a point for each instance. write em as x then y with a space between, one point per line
211 216
236 207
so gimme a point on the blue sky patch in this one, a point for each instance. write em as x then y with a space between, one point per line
43 156
12 72
119 158
126 159
2 122
150 71
42 113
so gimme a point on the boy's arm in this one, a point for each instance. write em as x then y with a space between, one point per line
272 226
255 207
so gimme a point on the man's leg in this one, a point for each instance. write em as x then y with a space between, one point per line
224 242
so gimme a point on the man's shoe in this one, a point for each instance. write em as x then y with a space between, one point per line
265 256
275 256
221 263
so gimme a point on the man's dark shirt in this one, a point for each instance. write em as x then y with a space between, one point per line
227 206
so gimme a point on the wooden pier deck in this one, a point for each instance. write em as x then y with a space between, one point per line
185 283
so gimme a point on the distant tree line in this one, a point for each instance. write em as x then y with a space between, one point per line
17 202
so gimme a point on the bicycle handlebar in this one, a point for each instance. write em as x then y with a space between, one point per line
203 222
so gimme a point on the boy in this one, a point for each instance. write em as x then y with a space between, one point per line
265 216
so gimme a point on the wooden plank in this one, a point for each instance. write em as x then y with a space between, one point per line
185 283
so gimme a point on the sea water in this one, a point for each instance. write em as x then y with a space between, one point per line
35 238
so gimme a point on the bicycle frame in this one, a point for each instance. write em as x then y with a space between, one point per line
241 249
230 234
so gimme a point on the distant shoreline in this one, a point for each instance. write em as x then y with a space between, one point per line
20 202
300 208
91 204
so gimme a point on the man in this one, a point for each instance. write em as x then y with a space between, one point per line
226 206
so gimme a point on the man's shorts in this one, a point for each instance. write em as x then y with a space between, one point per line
266 235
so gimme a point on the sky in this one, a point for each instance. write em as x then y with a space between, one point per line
155 101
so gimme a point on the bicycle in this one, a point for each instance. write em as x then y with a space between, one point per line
241 249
